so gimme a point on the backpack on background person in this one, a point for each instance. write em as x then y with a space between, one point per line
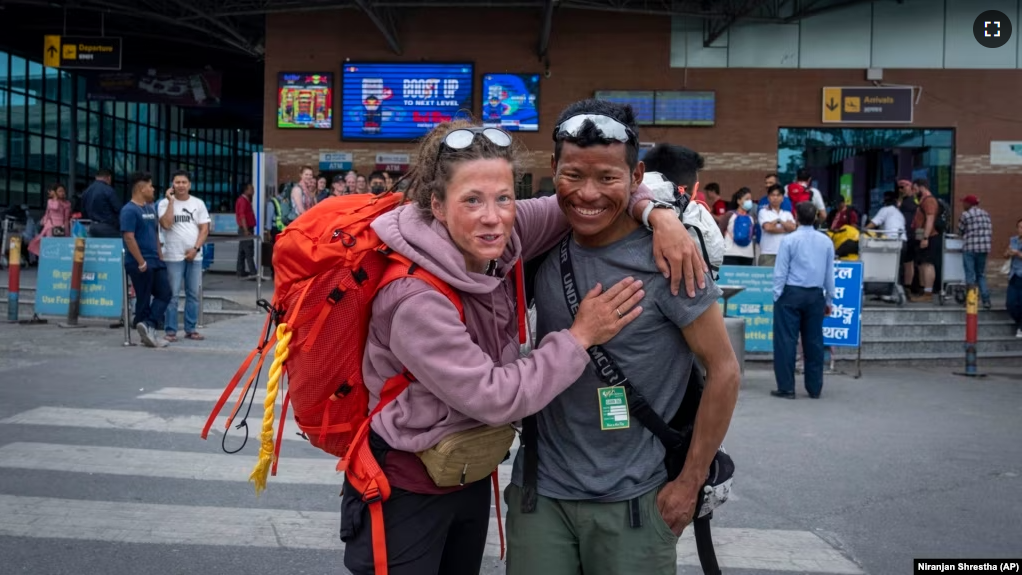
743 232
694 215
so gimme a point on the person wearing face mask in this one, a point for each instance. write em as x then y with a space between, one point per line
739 240
377 183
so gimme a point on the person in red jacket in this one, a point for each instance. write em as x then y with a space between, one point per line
245 216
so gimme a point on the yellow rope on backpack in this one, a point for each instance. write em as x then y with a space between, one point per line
262 468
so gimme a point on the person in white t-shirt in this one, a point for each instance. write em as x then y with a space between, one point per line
890 219
775 222
185 224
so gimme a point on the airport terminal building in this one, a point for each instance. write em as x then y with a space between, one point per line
862 93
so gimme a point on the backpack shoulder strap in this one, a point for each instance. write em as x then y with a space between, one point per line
402 267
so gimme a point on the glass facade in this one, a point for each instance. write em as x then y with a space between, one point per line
875 157
50 132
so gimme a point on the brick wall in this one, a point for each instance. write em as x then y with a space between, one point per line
592 50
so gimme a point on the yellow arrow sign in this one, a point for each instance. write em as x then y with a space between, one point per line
832 104
51 51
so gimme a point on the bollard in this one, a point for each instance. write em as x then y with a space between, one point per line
971 332
74 305
736 334
13 278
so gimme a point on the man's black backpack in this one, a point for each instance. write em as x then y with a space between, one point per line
940 222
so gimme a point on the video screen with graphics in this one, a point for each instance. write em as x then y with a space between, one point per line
685 108
305 100
641 102
511 102
402 101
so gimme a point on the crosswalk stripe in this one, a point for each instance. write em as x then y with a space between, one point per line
737 548
44 517
166 464
131 421
196 394
173 464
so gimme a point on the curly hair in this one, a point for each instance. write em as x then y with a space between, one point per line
430 175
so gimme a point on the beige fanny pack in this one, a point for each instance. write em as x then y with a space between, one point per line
467 456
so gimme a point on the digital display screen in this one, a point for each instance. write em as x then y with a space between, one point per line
402 101
305 100
511 102
640 101
685 108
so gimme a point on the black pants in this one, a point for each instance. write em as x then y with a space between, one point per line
152 292
799 310
1014 300
737 261
246 256
426 534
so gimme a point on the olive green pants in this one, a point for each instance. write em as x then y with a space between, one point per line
573 537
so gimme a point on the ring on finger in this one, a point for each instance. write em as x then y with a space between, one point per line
619 314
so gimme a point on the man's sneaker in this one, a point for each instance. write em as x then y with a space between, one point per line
1018 333
146 333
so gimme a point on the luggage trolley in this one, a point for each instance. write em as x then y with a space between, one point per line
952 269
880 253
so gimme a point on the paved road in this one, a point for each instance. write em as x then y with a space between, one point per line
102 470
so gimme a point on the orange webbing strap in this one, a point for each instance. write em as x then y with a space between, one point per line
365 475
496 501
520 289
235 380
251 378
324 311
379 536
280 432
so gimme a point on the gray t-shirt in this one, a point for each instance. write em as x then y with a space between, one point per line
577 460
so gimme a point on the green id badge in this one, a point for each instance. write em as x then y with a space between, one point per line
613 408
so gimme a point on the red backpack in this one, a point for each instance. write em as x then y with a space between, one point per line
329 264
797 193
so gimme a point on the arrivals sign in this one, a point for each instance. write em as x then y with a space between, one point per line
82 52
855 105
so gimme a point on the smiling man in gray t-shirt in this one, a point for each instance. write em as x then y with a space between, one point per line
603 505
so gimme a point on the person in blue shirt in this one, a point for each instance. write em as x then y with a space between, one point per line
101 204
803 292
144 262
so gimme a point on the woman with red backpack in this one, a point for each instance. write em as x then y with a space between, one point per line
455 337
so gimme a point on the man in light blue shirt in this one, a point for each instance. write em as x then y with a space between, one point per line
803 292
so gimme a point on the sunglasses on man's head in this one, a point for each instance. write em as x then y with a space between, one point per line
607 127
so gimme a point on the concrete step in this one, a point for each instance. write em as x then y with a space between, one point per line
892 348
27 308
927 314
952 331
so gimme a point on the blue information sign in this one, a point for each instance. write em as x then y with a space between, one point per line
842 327
102 277
755 304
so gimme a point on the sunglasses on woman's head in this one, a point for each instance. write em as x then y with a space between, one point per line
462 138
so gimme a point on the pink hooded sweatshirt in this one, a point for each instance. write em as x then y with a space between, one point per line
467 373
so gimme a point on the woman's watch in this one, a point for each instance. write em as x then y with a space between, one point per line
652 205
